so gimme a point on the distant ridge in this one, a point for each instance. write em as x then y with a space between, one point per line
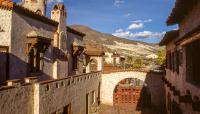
108 42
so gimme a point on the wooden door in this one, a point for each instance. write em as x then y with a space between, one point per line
136 95
3 64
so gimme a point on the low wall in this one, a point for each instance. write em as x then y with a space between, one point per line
49 97
16 99
54 96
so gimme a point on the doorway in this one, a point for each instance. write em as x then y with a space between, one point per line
67 109
87 103
4 62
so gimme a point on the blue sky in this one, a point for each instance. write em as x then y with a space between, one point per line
142 20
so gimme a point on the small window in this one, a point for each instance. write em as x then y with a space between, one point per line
193 63
39 12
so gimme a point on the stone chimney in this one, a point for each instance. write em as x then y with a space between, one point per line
38 6
59 14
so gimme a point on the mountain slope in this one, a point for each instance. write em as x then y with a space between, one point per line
109 42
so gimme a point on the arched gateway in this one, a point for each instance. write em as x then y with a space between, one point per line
111 80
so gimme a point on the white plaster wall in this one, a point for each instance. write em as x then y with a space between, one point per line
109 58
5 24
117 60
109 82
99 62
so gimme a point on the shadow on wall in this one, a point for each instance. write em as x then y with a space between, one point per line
13 67
152 97
148 98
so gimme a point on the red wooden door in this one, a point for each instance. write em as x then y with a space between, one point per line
136 95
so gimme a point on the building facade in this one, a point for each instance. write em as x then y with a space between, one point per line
114 58
43 62
182 72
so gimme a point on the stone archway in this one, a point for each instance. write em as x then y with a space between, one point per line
153 89
109 82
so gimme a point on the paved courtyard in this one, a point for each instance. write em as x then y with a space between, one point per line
106 109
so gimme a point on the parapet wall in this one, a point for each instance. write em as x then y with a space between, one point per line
58 94
49 97
16 99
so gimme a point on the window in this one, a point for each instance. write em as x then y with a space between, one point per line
177 63
173 60
193 63
168 60
74 60
4 64
36 56
39 12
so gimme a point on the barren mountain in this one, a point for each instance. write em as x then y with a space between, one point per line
109 42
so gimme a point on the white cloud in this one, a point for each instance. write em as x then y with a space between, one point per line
127 15
137 21
118 2
121 33
142 21
119 30
135 25
148 20
56 1
144 34
147 34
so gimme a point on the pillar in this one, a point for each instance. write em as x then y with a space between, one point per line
88 68
100 63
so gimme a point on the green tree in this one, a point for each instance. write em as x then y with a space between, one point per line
161 57
129 60
137 63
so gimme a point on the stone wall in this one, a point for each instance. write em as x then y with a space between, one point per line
5 25
35 5
50 97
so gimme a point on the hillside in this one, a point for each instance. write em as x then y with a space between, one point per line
109 42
